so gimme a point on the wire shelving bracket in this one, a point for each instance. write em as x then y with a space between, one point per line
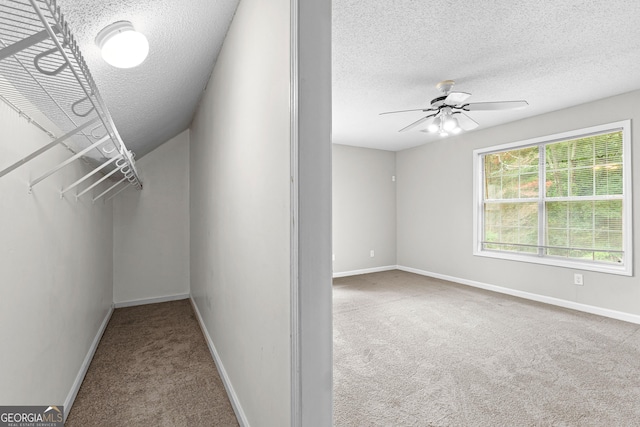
43 74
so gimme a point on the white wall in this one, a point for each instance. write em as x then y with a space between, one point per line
55 270
435 210
151 227
240 210
364 208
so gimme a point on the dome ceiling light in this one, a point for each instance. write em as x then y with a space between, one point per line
122 46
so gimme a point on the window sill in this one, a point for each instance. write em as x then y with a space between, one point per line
622 270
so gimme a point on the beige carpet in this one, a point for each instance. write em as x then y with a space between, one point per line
152 368
415 351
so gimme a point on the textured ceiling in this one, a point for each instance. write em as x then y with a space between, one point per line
389 55
156 100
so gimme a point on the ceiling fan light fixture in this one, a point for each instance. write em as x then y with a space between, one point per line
449 111
121 45
434 126
450 123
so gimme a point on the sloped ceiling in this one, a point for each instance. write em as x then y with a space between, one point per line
389 55
156 100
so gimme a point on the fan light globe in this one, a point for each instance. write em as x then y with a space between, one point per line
122 46
450 124
434 126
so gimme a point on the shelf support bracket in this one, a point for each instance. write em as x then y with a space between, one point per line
66 162
99 168
118 192
97 182
109 189
47 147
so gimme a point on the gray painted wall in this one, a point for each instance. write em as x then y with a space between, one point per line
240 210
151 227
435 210
364 208
56 264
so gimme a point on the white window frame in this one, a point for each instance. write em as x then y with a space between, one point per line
625 269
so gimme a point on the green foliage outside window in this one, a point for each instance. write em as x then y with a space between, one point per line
581 200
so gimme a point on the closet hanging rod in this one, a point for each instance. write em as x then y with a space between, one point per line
26 116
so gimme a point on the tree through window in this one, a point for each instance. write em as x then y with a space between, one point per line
556 199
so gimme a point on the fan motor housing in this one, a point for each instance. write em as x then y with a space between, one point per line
438 102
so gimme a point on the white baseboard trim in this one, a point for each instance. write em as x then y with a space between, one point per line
365 271
75 387
233 397
618 315
144 301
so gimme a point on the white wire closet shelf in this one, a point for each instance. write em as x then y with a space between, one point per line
44 77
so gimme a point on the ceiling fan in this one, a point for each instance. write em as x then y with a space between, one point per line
447 111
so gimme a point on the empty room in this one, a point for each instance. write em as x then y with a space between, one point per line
316 212
484 227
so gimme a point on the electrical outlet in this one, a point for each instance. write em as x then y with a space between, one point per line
393 178
577 279
333 257
372 254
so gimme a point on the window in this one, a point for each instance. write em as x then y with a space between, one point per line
561 200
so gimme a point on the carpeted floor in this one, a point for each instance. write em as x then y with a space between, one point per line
415 351
152 368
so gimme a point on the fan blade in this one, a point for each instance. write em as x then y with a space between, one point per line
466 122
416 123
456 98
405 111
494 106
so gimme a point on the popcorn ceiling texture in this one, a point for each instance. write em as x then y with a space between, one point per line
155 101
389 55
